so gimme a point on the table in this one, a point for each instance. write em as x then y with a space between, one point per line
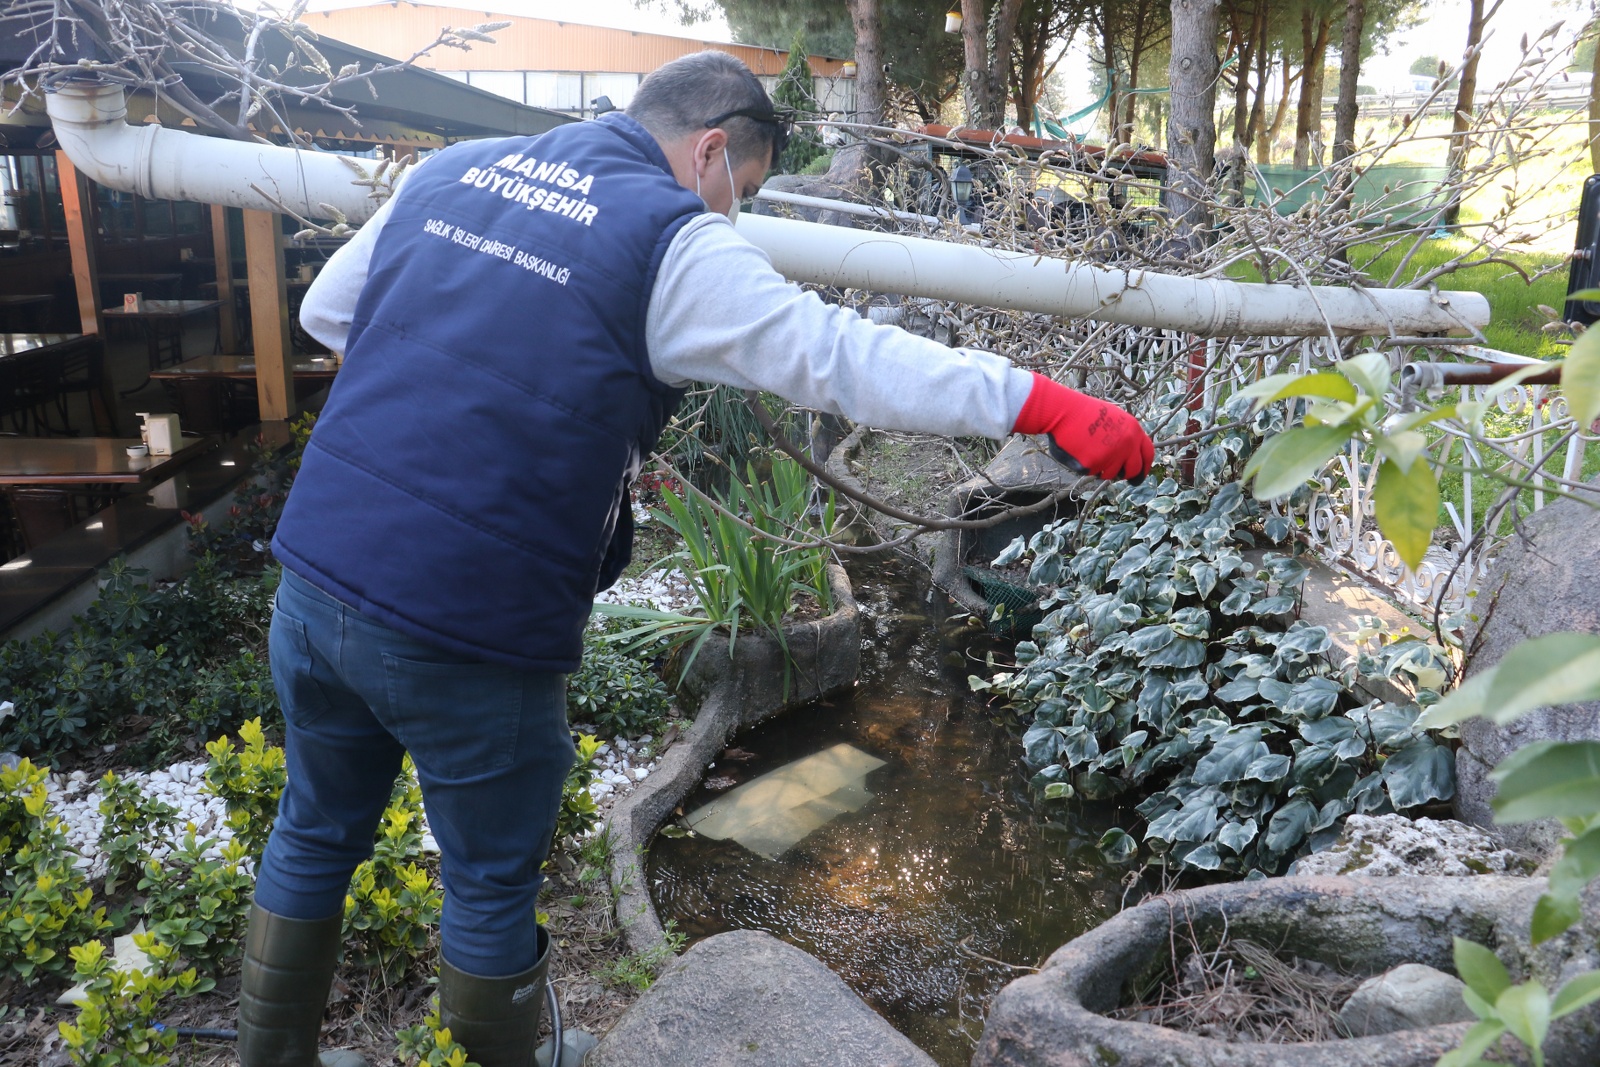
216 394
31 305
38 370
137 282
53 482
162 321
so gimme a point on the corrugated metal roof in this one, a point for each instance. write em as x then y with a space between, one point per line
532 44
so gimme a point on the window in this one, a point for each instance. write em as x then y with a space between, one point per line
506 83
558 92
619 87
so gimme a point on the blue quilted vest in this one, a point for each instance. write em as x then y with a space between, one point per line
467 480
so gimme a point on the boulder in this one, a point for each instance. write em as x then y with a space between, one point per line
1410 996
1376 845
1540 583
1059 1017
745 998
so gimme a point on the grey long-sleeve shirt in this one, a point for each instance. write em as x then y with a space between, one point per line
720 313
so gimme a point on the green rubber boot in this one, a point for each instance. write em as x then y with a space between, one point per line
496 1019
284 983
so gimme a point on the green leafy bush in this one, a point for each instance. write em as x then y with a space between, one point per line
117 1025
393 904
131 820
616 692
429 1044
46 905
579 813
1166 668
249 781
175 660
199 905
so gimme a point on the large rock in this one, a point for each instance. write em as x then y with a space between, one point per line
1364 926
1377 845
1410 996
1542 582
745 998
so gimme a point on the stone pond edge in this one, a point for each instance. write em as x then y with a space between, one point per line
733 692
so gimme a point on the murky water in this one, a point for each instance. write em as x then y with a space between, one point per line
920 898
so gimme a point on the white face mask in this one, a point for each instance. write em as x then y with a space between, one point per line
733 190
733 210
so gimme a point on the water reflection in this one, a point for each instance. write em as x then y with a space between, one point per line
922 896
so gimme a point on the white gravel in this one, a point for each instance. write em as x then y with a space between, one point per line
620 765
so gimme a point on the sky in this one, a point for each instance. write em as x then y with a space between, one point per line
620 14
1442 33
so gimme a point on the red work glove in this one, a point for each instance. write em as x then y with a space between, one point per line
1099 438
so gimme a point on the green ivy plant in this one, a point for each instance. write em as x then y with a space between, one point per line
1169 667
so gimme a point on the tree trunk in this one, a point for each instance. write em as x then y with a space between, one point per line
1308 116
1130 123
1459 142
1114 100
851 166
1265 145
1255 124
987 61
1248 41
1192 123
1344 120
1594 115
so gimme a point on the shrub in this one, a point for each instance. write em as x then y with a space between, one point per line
579 814
249 781
131 819
198 904
1163 668
393 903
615 692
46 904
117 1026
429 1044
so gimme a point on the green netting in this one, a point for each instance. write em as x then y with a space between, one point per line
1411 194
1021 603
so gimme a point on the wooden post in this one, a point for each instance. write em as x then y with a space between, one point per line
222 252
77 194
269 313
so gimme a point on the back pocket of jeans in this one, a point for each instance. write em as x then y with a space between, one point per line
458 720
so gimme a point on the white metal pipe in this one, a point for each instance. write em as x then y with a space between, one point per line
822 203
919 266
91 124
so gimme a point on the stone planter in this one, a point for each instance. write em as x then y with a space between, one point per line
734 692
1363 926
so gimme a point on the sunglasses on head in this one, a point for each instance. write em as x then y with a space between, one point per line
782 125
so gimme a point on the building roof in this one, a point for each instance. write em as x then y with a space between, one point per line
412 106
536 44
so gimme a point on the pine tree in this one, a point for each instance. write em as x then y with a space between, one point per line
794 94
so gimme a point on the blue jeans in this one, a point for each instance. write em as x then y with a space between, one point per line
491 748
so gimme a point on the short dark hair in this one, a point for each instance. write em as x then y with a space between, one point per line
680 97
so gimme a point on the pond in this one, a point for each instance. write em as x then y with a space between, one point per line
942 881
